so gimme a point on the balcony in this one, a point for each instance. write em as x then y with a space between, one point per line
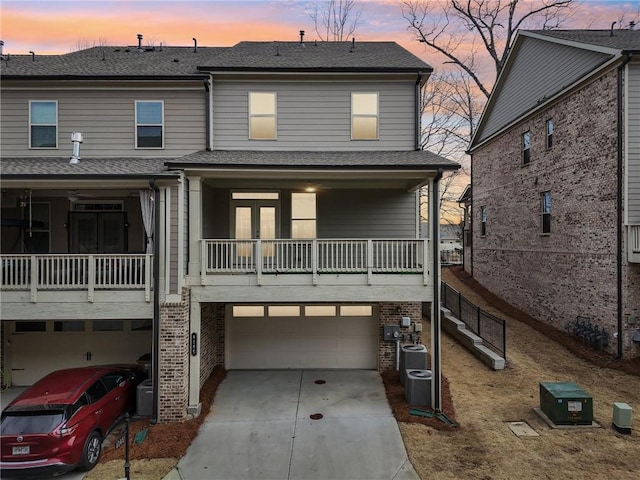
60 282
331 264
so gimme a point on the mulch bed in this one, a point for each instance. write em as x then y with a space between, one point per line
600 359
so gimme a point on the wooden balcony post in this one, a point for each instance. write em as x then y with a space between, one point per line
147 277
34 278
425 261
314 261
91 281
258 261
369 261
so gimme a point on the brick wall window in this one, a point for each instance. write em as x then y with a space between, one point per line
526 147
546 212
549 133
483 221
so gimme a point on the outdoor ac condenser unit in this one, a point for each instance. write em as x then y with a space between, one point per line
411 357
418 387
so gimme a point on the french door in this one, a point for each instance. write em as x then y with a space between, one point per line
254 219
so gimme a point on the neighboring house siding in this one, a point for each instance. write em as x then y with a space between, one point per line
314 115
106 118
633 144
366 214
572 271
540 70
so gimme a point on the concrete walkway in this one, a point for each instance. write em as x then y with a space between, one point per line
260 427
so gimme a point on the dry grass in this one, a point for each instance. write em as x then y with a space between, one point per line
483 447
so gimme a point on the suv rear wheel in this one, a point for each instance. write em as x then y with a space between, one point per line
91 452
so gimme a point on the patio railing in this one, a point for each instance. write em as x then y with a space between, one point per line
315 256
76 272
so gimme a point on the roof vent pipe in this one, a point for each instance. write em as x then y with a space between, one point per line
301 37
632 25
1 47
611 31
195 45
76 139
353 44
139 41
33 55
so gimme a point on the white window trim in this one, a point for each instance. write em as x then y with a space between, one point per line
136 125
543 213
377 116
523 149
314 218
43 124
549 135
263 115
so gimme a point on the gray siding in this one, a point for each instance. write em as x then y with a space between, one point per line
540 70
366 214
106 119
633 142
314 115
173 249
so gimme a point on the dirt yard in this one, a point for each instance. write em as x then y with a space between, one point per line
482 402
483 447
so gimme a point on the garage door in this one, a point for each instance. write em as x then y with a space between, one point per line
40 347
309 340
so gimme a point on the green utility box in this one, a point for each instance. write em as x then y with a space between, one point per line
566 403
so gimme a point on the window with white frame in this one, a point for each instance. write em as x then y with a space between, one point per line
149 124
303 215
364 116
262 116
526 147
549 133
43 124
483 221
546 212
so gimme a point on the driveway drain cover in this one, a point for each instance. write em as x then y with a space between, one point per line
316 416
320 382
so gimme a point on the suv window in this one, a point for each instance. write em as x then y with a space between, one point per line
112 380
21 424
96 391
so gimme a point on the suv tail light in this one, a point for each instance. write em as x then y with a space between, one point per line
65 430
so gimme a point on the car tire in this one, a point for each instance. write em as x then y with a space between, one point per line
91 452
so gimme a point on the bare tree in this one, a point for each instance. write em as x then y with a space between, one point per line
84 43
335 20
449 27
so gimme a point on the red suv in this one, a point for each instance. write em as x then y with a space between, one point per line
59 423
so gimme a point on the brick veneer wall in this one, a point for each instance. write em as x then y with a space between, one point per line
174 360
212 338
388 315
573 270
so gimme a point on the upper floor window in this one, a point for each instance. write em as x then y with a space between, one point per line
364 116
483 221
546 212
149 124
303 215
526 147
43 124
549 133
262 116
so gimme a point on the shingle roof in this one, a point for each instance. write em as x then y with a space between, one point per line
113 62
87 166
620 40
293 159
377 56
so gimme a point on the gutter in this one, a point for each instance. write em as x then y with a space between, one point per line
207 109
155 350
436 353
418 110
620 199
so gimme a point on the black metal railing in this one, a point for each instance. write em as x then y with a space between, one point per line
491 329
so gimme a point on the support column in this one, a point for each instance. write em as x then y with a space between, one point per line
195 228
195 331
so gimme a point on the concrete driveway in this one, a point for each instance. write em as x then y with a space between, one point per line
261 427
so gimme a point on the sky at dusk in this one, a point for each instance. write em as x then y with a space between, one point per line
60 26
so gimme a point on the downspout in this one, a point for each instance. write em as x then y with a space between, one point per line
207 108
418 111
155 356
436 354
620 172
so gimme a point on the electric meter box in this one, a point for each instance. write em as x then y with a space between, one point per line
565 403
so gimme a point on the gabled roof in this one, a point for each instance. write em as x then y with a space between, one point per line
420 159
112 62
324 56
543 65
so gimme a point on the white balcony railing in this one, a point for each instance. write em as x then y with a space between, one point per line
315 256
76 272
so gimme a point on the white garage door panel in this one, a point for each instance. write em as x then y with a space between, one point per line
302 342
